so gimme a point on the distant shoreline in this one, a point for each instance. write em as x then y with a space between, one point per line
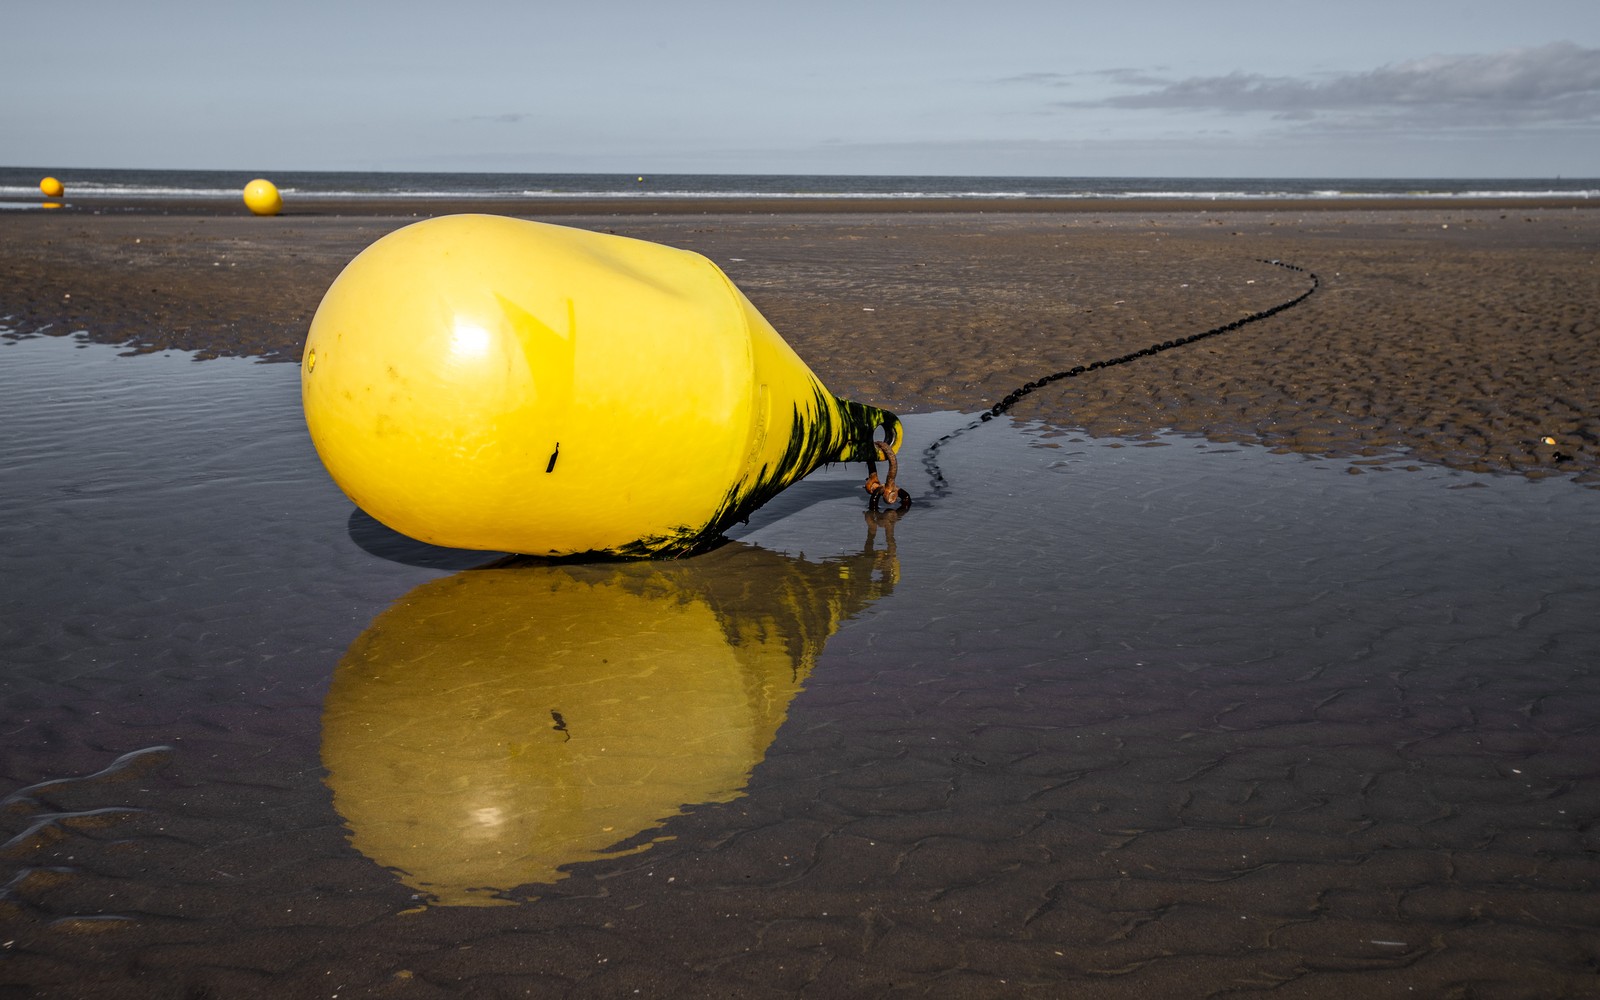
402 207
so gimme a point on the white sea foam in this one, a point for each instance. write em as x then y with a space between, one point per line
88 186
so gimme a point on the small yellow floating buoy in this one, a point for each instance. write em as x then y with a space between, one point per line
262 198
495 727
52 188
490 383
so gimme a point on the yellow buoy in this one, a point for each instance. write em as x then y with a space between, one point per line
52 188
496 726
262 198
489 383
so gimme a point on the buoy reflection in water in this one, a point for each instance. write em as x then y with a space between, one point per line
497 725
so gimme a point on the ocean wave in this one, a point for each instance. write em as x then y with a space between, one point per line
1219 195
19 184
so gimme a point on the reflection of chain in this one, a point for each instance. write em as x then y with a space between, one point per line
930 456
885 564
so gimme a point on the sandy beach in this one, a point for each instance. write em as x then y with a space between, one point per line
1163 718
1459 334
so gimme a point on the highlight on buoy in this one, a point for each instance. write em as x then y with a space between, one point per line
261 197
52 188
491 383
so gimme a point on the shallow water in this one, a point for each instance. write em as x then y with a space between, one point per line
1114 718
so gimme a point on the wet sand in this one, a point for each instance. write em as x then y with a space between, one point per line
1462 335
1165 720
1185 719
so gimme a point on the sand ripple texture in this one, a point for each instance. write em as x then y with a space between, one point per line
1140 718
1456 336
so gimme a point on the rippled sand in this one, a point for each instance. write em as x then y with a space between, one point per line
1463 335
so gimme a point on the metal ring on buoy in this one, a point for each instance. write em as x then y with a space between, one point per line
887 492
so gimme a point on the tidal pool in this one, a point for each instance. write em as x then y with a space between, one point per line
1155 718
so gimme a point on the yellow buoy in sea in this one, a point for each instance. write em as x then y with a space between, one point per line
262 197
52 188
490 383
494 727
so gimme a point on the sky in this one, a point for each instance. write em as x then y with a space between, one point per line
976 87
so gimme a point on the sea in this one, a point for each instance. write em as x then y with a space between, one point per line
22 183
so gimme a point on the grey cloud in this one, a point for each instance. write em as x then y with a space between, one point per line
1048 79
1130 77
1127 77
1556 83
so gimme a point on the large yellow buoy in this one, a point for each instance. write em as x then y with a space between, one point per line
489 383
52 188
494 727
262 197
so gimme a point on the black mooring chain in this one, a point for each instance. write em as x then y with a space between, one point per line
930 455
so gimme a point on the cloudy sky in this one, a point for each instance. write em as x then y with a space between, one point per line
1019 87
